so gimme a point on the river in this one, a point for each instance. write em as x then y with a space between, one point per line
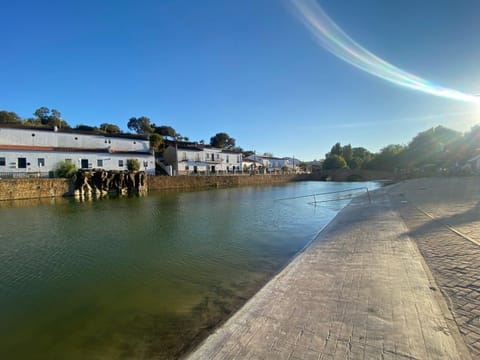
145 277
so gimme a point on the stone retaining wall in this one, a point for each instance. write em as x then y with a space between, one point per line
202 182
16 189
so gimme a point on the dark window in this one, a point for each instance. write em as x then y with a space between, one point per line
2 161
99 162
22 163
84 163
41 162
120 163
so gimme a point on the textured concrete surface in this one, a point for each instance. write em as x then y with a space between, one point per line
443 217
360 291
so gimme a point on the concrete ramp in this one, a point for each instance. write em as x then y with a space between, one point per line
361 290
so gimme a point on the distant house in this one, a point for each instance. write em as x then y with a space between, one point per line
271 164
191 158
26 150
474 162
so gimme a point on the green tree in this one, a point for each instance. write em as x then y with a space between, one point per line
166 131
65 169
110 128
42 113
360 156
336 149
86 128
140 125
222 140
51 118
347 153
133 164
334 162
156 142
388 159
8 117
428 147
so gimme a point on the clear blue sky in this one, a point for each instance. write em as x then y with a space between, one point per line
249 68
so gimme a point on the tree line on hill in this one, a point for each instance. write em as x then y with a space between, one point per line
46 118
434 149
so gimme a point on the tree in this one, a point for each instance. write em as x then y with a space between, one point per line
360 156
110 128
140 125
222 140
156 142
51 118
336 149
65 169
347 153
42 113
428 147
388 159
166 131
87 128
133 164
334 162
8 117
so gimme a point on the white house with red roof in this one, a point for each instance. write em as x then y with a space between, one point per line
25 150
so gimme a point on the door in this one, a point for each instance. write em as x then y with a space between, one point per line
22 163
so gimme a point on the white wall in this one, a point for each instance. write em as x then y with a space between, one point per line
35 137
128 148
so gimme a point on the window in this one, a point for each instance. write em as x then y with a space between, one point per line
2 161
99 162
68 161
120 163
184 156
41 162
228 159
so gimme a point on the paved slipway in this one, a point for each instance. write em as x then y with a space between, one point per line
397 278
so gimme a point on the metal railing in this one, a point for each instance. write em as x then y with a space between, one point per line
26 174
315 201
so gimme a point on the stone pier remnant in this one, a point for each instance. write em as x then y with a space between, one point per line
101 182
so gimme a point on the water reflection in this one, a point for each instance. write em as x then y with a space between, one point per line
142 277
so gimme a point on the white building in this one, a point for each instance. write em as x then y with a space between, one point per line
39 150
272 164
188 158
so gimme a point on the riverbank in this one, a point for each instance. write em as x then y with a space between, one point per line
37 188
368 286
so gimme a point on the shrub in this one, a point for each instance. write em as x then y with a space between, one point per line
133 164
65 169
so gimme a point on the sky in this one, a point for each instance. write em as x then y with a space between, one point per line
260 70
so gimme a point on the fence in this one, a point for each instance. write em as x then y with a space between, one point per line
27 175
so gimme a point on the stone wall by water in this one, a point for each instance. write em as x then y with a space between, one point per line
202 182
34 188
16 189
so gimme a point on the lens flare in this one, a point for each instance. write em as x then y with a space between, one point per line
335 40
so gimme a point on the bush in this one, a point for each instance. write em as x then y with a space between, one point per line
65 169
133 164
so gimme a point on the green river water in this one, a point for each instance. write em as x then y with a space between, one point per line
144 277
